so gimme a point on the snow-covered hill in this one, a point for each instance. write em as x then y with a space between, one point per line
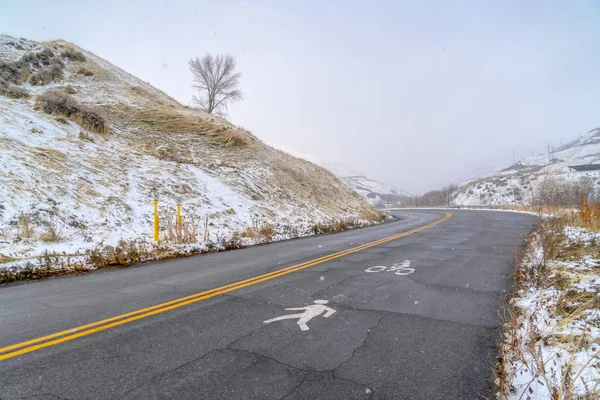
66 188
515 184
375 192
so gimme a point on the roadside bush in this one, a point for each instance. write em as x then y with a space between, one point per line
49 264
58 103
267 231
123 254
552 193
232 242
73 55
335 226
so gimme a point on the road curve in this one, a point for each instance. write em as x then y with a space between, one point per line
403 310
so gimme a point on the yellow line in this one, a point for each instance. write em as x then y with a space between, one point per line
170 305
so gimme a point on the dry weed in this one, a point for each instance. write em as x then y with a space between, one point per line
51 234
58 103
169 120
26 228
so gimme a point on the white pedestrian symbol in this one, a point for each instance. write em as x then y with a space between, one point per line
309 313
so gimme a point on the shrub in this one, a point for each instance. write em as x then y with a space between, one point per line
45 57
229 243
13 91
85 136
123 254
554 193
267 231
57 103
69 89
45 64
51 234
10 72
84 71
73 55
47 75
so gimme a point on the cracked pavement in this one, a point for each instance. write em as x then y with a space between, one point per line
428 335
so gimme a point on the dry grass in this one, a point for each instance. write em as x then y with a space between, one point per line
172 152
123 254
47 265
185 231
5 259
26 228
574 302
58 103
372 215
250 232
173 121
588 216
51 234
519 346
262 232
72 54
84 71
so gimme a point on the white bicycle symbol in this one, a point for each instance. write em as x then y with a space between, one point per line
402 268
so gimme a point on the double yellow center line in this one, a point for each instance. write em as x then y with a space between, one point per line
84 330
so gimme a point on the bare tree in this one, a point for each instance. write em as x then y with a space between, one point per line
216 81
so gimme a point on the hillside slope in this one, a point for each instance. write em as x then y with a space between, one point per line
76 188
515 184
374 192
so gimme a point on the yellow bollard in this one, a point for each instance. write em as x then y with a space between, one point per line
179 224
156 218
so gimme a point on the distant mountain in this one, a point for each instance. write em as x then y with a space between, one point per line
375 192
478 173
516 183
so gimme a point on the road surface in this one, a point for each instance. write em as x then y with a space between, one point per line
386 312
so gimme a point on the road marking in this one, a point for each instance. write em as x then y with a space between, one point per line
402 268
309 313
376 268
88 329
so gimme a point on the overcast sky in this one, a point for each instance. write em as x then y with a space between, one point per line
416 94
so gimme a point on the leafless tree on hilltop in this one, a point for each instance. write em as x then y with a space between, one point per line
216 82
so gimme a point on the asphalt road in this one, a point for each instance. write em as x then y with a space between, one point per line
410 318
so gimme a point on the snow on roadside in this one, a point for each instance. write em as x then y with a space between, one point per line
552 345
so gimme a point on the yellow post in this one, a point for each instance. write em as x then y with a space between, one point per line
156 219
179 226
